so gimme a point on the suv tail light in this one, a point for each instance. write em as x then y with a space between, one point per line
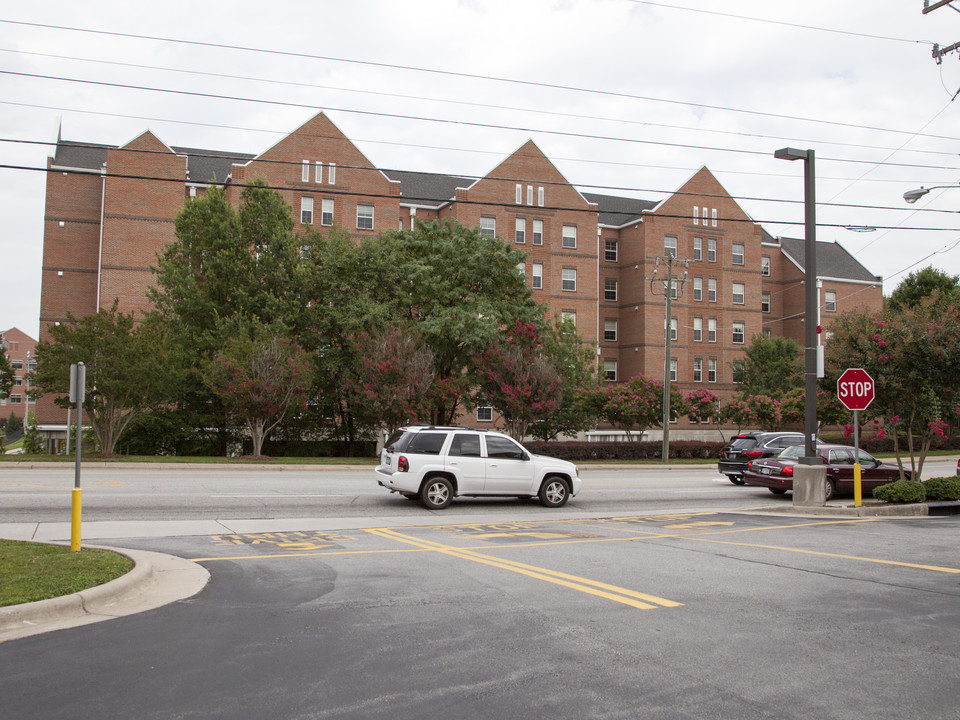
403 465
752 453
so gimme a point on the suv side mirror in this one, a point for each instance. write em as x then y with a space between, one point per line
524 456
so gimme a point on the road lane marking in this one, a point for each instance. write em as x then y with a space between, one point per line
935 568
641 601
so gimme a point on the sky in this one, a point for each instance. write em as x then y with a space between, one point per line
626 97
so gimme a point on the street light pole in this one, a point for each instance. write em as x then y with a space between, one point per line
811 309
669 285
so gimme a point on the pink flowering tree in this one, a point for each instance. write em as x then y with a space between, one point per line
518 380
638 404
260 379
913 354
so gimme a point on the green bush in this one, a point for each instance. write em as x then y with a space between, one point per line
901 491
578 451
945 488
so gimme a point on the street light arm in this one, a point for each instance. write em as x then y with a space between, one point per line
911 196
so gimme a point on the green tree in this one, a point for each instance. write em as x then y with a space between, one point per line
6 372
126 369
923 285
260 377
771 366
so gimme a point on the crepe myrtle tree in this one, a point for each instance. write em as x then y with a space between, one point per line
260 376
638 404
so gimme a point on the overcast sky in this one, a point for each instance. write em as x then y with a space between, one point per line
626 97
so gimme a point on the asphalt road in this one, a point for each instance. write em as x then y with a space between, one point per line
650 595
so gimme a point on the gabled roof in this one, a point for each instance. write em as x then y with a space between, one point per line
619 211
209 166
430 189
833 260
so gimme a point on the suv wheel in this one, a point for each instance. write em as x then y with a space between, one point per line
736 479
554 492
436 493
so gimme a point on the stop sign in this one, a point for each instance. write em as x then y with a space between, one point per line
855 389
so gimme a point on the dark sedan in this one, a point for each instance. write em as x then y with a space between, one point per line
749 446
776 473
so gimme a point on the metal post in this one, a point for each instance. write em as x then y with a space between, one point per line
668 294
857 479
78 379
811 311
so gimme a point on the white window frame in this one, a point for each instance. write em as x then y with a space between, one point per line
711 250
306 210
520 231
737 252
488 226
530 195
610 330
484 413
739 329
519 194
305 171
610 250
711 289
326 212
765 265
669 246
538 232
568 279
537 276
611 292
711 330
698 329
364 216
713 217
673 328
318 172
698 248
332 174
765 302
569 316
696 215
711 370
569 235
610 370
540 196
698 369
830 300
698 288
674 371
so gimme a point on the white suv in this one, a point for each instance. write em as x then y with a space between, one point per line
436 464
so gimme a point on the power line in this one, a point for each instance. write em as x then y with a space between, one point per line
456 74
465 123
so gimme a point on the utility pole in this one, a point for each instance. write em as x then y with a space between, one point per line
939 52
670 285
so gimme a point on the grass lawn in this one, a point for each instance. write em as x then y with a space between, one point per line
34 571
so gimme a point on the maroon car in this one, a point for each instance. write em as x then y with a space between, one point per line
776 473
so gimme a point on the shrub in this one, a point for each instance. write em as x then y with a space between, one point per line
901 491
578 451
945 488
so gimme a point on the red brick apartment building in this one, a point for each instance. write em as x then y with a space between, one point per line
21 352
591 258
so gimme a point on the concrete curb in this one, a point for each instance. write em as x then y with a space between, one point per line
867 510
155 580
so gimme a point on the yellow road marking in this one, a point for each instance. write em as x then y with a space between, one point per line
695 525
632 598
935 568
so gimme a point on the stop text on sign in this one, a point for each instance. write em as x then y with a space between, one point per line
855 389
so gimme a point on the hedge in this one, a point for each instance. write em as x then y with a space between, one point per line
946 488
583 451
901 491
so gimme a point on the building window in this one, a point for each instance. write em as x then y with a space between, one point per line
712 289
765 265
568 316
737 253
610 370
364 217
568 279
670 246
698 329
698 248
529 194
610 250
305 171
713 217
332 173
830 301
16 364
522 268
610 290
704 217
538 232
765 302
698 369
306 210
609 330
519 194
326 212
540 196
484 413
711 249
739 331
538 276
674 365
698 288
318 172
488 226
521 231
569 237
674 289
711 330
15 399
712 370
696 215
738 293
673 328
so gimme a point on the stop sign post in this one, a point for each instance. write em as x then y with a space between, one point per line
855 390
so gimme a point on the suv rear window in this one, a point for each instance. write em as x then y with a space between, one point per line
743 443
427 443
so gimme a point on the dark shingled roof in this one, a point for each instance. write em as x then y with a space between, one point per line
428 188
618 211
87 156
833 260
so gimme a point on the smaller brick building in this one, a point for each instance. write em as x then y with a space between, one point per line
21 352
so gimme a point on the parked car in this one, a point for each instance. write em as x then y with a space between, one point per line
436 464
777 473
741 449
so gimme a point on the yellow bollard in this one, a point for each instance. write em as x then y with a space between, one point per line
857 486
75 524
